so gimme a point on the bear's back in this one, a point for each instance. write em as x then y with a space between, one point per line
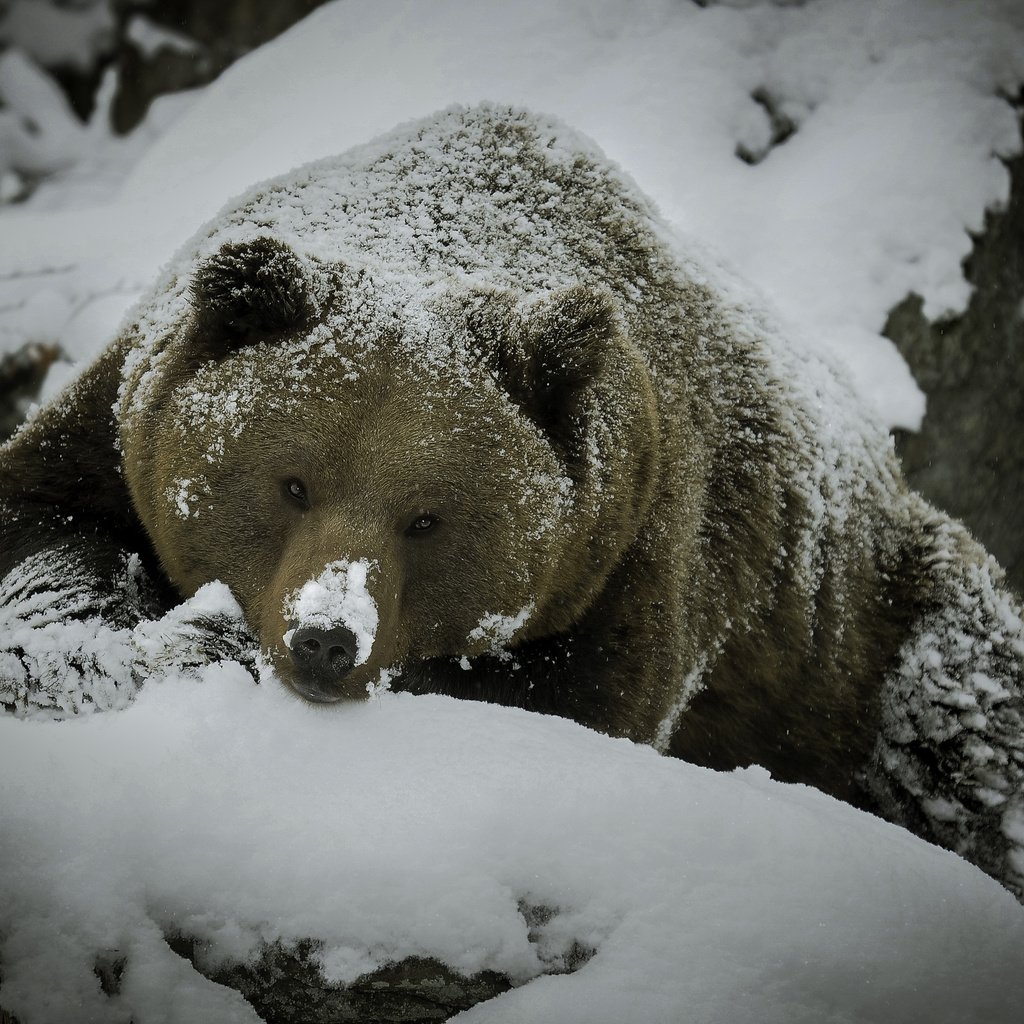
502 196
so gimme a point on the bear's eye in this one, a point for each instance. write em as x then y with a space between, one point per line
422 524
295 491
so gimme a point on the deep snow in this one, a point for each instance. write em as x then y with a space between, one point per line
417 825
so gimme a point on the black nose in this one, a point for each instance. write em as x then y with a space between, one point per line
325 655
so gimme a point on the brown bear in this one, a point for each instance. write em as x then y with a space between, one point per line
456 412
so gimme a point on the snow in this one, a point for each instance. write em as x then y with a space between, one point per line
182 496
38 132
338 596
688 689
894 158
149 39
498 630
422 825
59 34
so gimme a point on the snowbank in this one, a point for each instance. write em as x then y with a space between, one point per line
893 159
423 825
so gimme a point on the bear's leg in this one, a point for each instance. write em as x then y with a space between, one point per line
949 761
84 613
83 623
67 609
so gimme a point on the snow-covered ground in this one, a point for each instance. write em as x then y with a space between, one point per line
412 825
417 825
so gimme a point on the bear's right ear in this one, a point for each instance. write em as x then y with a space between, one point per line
254 288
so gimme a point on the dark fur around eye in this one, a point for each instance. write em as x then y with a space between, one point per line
422 524
295 491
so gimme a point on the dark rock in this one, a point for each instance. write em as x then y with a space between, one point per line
202 40
109 968
21 376
968 457
286 986
781 127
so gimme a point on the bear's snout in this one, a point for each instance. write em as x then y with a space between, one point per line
323 658
332 623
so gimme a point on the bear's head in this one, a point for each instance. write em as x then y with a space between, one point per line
381 476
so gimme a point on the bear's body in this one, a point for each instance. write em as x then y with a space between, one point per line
451 412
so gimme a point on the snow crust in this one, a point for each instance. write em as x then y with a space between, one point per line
338 596
423 825
893 161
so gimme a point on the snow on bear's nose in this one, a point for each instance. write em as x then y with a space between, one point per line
333 622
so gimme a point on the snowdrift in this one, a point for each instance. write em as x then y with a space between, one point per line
426 826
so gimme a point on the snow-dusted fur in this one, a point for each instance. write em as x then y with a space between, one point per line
65 650
672 522
949 761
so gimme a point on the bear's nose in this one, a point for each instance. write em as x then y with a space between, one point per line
324 655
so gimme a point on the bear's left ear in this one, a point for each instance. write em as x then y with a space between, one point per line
254 287
567 345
